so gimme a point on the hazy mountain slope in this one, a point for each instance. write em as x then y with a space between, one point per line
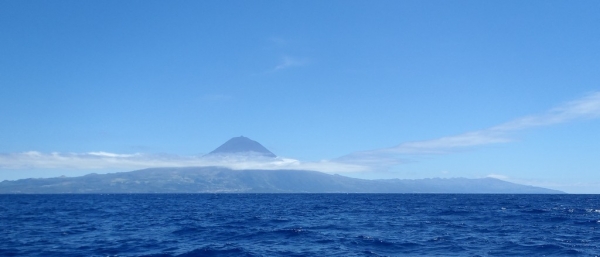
216 179
242 145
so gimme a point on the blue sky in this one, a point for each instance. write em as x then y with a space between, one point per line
384 89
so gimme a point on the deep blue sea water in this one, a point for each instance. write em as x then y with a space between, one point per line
299 225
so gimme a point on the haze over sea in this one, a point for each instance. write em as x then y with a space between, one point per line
299 225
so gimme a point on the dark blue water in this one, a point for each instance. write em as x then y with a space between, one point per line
299 225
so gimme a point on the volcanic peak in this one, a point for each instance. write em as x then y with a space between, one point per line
242 145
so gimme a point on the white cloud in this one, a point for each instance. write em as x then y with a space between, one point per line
288 62
498 176
585 108
104 154
105 160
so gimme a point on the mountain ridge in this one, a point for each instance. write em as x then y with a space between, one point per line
224 180
214 179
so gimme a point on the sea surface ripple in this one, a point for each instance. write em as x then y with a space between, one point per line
182 225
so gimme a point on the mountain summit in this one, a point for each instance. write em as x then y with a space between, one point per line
242 145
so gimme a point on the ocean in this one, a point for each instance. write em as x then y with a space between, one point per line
299 225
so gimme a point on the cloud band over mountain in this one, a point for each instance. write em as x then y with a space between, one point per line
587 107
104 160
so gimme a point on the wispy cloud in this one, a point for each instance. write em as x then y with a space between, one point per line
106 160
498 176
585 108
289 62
